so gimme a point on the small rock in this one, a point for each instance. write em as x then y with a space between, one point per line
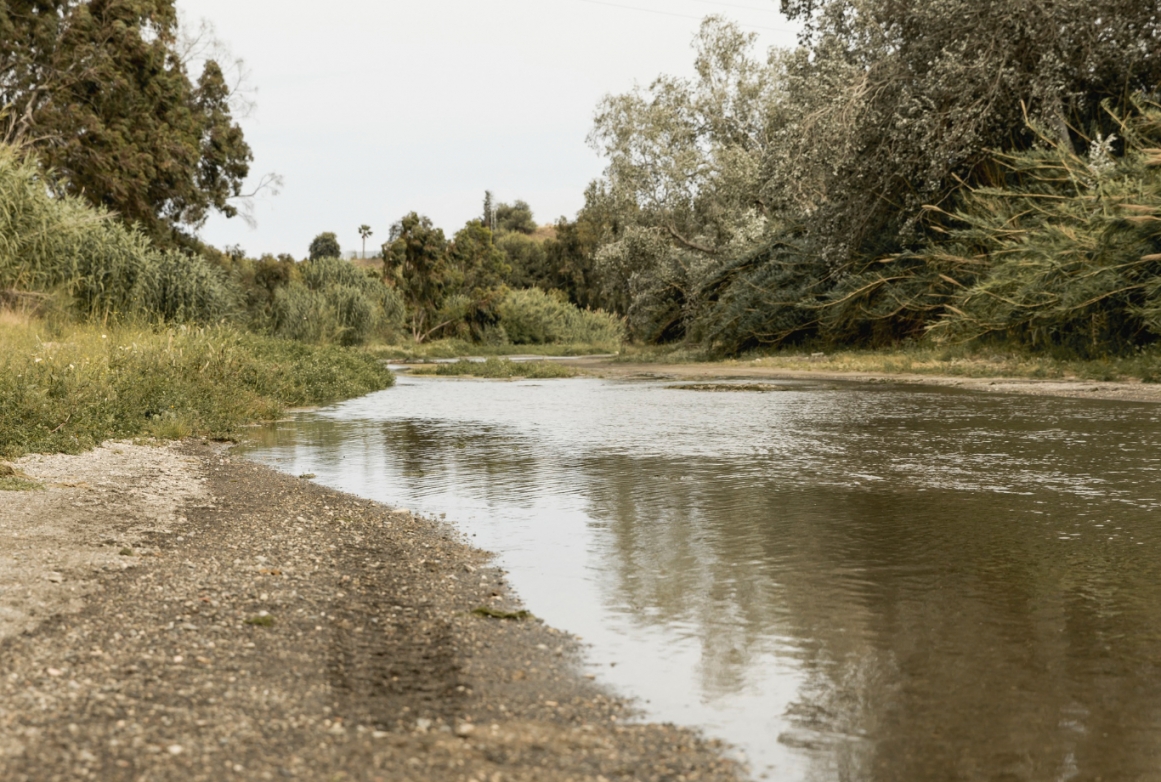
465 729
175 749
423 724
55 672
55 578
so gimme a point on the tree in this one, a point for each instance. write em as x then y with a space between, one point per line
515 217
897 104
489 217
99 92
364 233
683 186
415 262
325 245
482 269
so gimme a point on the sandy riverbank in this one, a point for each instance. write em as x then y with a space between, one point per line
171 613
1084 389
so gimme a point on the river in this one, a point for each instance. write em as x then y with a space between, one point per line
844 581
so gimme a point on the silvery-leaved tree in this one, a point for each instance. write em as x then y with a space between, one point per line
683 177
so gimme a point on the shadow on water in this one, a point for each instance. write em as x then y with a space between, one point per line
853 584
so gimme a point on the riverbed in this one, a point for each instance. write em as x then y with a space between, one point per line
843 580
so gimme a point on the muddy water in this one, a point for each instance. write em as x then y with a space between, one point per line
846 582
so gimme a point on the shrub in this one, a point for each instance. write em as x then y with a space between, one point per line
335 302
533 317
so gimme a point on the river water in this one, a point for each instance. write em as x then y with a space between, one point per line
846 582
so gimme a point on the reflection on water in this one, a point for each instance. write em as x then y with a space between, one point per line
848 583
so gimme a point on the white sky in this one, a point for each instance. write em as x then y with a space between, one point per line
371 109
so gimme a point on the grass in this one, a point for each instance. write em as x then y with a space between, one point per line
457 348
68 388
497 368
921 359
12 479
492 613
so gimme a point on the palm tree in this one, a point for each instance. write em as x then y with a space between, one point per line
364 231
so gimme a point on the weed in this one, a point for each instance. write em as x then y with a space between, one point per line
492 613
497 368
70 389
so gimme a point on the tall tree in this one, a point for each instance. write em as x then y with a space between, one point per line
325 245
365 233
97 89
415 262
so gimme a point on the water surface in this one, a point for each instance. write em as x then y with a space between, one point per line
847 582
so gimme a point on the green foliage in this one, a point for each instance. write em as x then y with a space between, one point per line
86 385
569 263
807 196
481 269
1073 247
415 263
99 90
325 245
332 301
893 106
527 258
534 317
105 269
498 368
516 217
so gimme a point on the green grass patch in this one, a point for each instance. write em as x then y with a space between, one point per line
458 348
492 613
69 389
266 620
498 368
12 479
976 361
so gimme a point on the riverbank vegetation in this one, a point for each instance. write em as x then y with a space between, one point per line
496 368
963 173
67 387
920 358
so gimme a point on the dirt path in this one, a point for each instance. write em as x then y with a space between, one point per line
174 614
1083 389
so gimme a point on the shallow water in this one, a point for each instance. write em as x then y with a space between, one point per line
846 582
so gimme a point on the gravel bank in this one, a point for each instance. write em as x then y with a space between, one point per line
175 614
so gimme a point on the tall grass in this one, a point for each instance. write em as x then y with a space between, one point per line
533 317
335 302
70 390
106 270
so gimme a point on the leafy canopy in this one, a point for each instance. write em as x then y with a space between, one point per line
99 91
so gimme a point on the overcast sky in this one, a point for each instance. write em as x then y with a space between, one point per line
370 109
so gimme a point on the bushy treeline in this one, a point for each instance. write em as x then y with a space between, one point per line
75 256
101 269
939 169
494 281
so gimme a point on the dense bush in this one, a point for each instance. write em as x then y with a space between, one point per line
533 317
335 302
106 270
